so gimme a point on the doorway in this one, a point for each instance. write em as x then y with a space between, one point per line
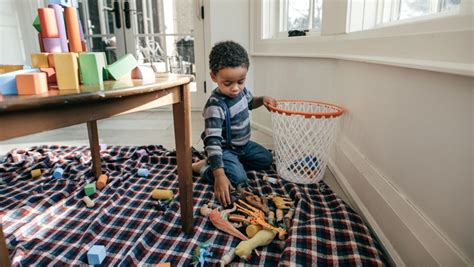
167 34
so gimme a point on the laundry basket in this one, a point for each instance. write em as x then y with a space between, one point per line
303 132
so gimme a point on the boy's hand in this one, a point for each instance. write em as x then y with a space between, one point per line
222 187
268 101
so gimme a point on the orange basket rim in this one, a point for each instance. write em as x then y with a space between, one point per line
339 110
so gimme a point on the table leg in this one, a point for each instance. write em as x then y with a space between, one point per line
182 133
4 254
95 148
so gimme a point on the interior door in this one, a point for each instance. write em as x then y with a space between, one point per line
168 35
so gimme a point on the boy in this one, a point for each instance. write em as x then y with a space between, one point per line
229 149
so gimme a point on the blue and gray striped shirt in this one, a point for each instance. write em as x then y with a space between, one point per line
214 135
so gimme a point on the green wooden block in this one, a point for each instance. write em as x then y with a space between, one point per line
36 24
92 65
89 189
105 73
122 67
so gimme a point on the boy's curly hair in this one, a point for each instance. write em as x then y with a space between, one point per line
227 54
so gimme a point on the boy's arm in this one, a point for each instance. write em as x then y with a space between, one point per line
213 119
262 100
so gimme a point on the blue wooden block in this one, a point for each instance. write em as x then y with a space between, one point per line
8 81
96 254
58 173
142 172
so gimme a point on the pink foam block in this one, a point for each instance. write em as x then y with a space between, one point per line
52 45
58 10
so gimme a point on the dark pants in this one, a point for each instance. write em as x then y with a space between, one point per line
237 161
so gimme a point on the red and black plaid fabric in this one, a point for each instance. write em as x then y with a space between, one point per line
46 223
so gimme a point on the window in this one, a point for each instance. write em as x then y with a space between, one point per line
366 14
300 15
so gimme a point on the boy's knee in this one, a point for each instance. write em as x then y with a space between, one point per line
266 159
236 176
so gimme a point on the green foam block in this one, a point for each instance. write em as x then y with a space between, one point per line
89 189
92 66
122 67
36 24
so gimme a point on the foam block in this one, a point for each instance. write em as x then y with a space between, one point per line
40 60
31 83
36 24
91 66
72 29
52 45
122 67
103 147
58 11
58 173
50 74
143 72
40 41
162 194
101 182
96 255
35 173
88 201
67 71
8 81
142 152
48 24
89 189
142 172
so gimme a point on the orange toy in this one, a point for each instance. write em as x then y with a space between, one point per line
31 83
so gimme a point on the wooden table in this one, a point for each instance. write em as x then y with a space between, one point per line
23 115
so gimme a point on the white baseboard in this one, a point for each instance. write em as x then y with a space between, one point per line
407 234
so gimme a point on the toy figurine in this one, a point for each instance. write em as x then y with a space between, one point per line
281 202
201 253
261 238
220 223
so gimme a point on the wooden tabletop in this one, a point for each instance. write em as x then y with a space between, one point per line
87 93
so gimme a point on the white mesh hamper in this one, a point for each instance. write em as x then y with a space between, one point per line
303 132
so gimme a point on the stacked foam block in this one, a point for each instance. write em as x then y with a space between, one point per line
63 59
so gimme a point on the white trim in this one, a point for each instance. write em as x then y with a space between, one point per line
413 224
437 66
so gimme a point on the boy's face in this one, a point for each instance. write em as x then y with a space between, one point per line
231 81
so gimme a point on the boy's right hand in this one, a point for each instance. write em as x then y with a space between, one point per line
222 188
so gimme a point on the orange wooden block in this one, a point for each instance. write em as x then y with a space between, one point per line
166 264
39 60
51 60
101 182
72 29
48 24
31 83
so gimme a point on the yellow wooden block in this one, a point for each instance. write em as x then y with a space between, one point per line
10 68
67 71
39 60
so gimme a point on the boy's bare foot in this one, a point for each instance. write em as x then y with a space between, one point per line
196 166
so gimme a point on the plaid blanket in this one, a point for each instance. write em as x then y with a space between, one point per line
46 222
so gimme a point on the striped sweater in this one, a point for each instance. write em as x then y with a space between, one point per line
214 135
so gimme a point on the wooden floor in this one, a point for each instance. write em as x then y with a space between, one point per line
141 128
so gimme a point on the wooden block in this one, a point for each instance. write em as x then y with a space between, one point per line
72 29
58 11
122 67
67 71
143 72
41 45
166 264
142 172
89 189
35 173
60 2
96 255
50 74
51 60
10 68
91 66
36 24
162 194
31 83
52 45
48 24
101 182
39 60
88 201
58 173
8 81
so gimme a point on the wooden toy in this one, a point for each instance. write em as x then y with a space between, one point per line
88 201
254 201
39 60
66 71
103 147
31 83
270 179
141 152
262 238
101 182
10 68
89 189
50 74
219 222
35 173
281 202
40 42
52 45
72 29
58 12
96 255
227 258
48 24
122 67
36 24
60 2
162 194
143 72
288 217
142 172
252 229
166 264
58 173
51 60
8 81
92 67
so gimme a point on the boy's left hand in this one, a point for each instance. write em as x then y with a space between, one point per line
268 101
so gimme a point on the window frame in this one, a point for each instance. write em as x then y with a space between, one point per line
283 19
